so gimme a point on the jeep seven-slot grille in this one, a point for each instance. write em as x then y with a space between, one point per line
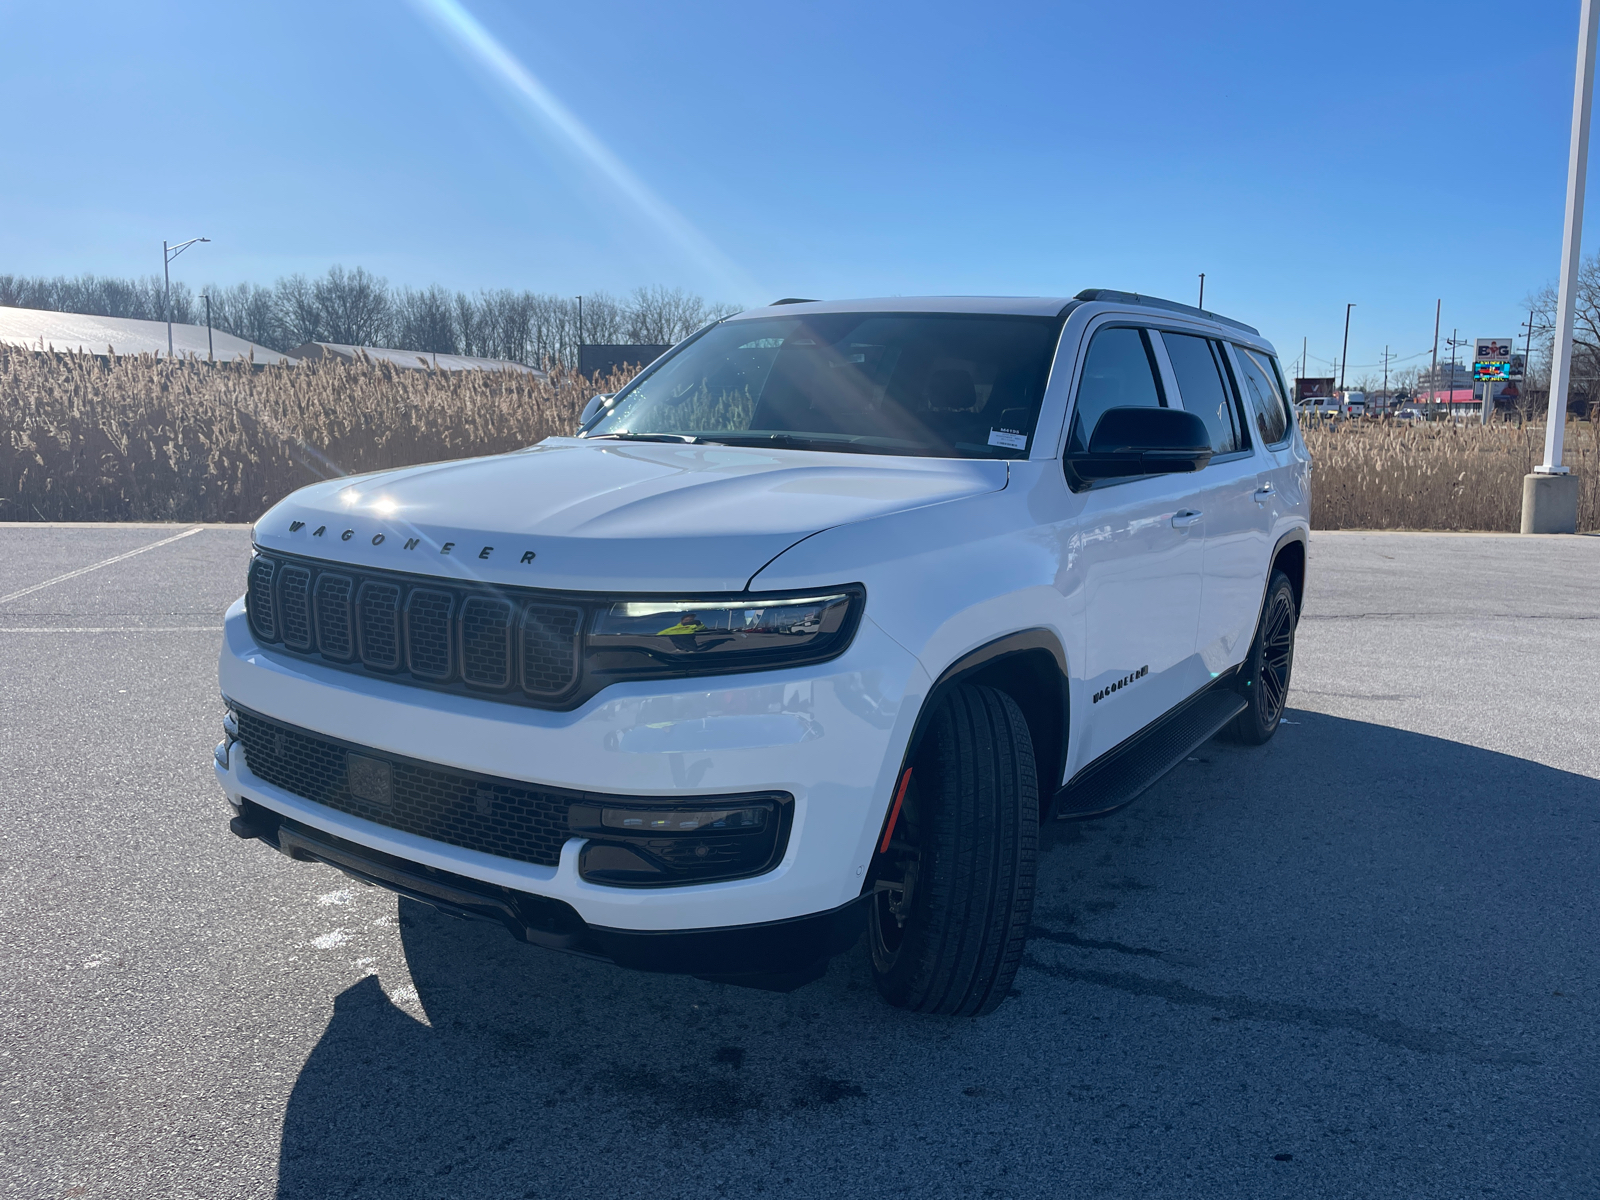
495 816
418 629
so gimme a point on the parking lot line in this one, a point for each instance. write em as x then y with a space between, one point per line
116 558
110 628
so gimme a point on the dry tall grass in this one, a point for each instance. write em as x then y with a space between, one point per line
1381 475
83 439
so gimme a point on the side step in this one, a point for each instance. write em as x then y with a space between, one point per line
1118 777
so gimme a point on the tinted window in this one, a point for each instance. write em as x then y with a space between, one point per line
1260 383
880 383
1203 384
1120 372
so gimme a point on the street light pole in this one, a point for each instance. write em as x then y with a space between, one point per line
1549 506
1344 353
168 253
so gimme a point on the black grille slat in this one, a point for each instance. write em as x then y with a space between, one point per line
549 650
294 607
495 816
486 642
378 625
259 604
428 633
335 634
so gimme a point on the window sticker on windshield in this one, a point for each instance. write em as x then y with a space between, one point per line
1008 438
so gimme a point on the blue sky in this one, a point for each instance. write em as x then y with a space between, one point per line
1301 155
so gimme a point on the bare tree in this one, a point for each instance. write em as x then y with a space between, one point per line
425 321
295 309
246 310
354 306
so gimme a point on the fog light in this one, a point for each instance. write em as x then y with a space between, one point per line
221 753
645 820
648 844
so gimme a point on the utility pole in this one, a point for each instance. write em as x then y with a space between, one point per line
167 255
1550 494
1202 303
1386 377
1450 390
580 333
1433 371
210 356
1303 343
1344 352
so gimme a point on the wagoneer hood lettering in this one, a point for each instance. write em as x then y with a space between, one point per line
575 515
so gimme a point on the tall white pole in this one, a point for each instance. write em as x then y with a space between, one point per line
1571 245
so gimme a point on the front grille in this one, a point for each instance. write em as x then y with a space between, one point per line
475 812
294 607
420 629
549 648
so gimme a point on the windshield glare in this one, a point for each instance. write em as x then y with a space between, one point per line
949 386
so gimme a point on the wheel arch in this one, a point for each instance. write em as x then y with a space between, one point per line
1030 666
1289 556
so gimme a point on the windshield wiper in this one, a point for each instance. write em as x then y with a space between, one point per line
798 441
686 438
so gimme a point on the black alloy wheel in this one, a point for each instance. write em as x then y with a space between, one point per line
1264 679
954 893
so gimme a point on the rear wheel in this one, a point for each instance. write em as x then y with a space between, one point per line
1264 678
948 923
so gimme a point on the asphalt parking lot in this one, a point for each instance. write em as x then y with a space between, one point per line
1359 961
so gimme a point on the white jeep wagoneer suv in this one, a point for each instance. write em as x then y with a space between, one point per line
803 634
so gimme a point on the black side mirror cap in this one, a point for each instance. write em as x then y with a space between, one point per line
1143 441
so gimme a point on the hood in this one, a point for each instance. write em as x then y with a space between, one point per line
608 516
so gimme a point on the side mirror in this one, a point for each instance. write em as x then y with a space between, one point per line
592 409
1143 441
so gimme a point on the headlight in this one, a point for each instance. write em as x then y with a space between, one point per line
648 638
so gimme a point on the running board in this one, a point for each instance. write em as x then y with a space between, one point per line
1119 776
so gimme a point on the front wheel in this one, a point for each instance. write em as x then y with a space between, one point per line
949 921
1264 678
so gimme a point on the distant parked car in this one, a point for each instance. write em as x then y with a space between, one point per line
1409 415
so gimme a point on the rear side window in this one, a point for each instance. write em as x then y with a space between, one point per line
1260 382
1119 372
1203 384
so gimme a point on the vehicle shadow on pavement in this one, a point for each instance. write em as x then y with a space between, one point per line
1351 920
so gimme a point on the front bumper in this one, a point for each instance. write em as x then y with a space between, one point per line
831 735
776 954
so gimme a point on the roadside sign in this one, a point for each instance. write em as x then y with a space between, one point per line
1313 389
1491 360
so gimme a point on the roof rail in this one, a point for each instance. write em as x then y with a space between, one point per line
1156 302
791 300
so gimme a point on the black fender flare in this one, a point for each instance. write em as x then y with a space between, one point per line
995 659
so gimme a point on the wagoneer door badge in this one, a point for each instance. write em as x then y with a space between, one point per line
1121 683
410 543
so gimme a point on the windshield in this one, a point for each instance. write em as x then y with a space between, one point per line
948 386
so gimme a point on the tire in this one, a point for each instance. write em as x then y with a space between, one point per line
1264 678
965 846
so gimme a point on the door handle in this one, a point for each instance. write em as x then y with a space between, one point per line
1262 494
1185 518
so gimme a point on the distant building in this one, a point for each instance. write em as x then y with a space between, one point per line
120 337
602 360
414 360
